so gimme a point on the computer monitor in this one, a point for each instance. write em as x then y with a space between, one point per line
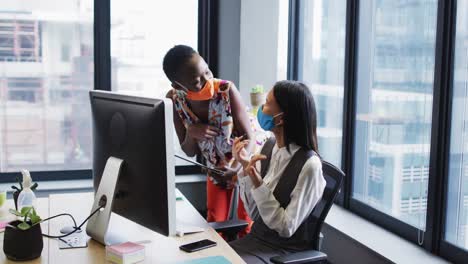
133 135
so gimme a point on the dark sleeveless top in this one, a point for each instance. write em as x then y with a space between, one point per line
301 239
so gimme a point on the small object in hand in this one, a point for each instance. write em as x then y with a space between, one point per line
125 253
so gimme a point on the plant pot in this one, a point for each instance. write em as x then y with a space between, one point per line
22 244
257 99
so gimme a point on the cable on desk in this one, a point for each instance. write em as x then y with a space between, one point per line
75 227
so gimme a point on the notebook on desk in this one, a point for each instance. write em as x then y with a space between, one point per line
207 260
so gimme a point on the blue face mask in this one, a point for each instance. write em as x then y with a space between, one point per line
266 121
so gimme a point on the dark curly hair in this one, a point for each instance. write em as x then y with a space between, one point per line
175 58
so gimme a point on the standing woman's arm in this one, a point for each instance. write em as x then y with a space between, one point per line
188 144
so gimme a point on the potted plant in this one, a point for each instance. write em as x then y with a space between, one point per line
257 98
18 190
23 238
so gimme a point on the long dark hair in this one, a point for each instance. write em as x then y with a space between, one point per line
300 117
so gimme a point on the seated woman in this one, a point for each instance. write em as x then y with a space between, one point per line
282 189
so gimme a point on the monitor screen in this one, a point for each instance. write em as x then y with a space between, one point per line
138 131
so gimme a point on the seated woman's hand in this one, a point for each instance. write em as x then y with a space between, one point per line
252 171
239 152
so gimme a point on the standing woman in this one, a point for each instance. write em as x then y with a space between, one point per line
208 114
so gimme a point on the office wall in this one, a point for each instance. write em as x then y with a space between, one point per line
248 43
229 40
258 44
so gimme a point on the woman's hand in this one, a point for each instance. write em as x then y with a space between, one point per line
239 152
252 170
201 131
230 177
226 180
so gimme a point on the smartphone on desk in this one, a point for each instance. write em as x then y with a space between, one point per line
198 245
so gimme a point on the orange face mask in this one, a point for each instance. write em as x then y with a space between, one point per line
206 93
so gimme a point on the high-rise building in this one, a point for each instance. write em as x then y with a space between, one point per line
46 71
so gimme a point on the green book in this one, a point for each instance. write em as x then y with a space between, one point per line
207 260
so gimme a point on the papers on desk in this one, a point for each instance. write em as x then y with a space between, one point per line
125 253
207 260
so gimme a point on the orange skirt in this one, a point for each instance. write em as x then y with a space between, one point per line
218 203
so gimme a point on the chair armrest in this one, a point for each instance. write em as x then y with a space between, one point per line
308 256
234 225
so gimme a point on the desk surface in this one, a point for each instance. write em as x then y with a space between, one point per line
161 249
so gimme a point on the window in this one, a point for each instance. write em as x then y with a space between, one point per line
45 123
65 53
19 39
395 72
140 39
321 67
456 224
393 69
25 89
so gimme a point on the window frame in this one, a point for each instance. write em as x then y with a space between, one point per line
433 239
294 39
207 46
446 249
378 217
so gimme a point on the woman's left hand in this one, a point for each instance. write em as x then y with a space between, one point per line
226 180
229 177
253 172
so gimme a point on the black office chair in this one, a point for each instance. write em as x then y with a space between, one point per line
233 226
334 178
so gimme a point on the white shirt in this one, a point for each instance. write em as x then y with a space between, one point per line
305 195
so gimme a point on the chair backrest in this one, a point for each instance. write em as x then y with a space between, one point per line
334 178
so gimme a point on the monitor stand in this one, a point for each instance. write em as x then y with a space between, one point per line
98 225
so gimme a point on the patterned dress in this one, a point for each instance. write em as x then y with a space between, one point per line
217 151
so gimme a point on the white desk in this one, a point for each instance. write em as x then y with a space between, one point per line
161 250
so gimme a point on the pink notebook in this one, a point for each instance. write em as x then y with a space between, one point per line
125 248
